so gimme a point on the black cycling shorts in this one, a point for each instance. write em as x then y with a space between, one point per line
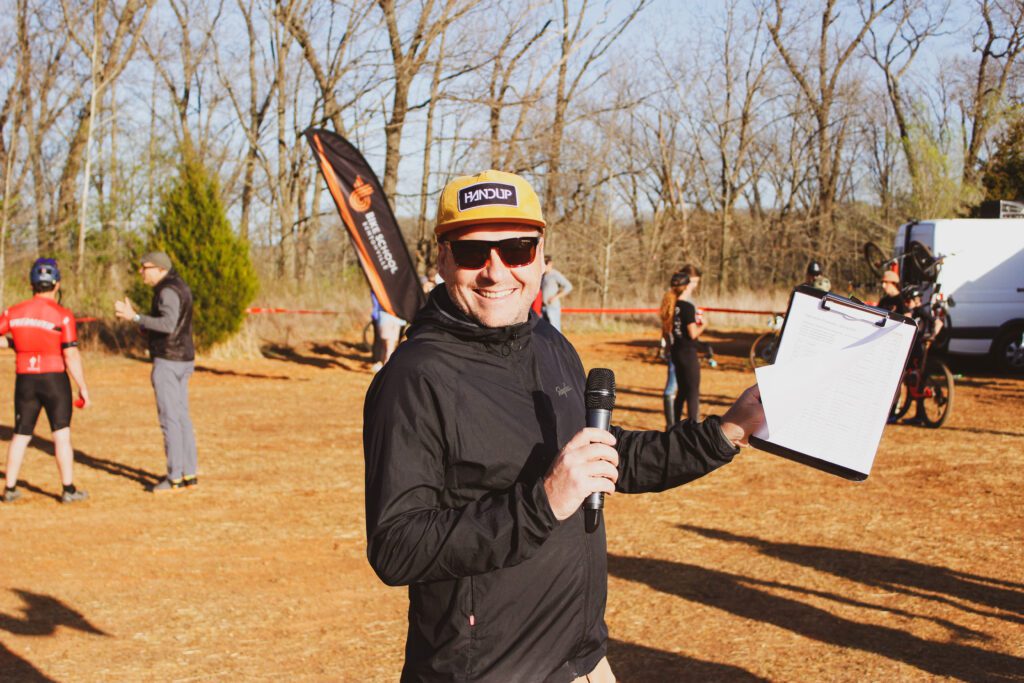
32 393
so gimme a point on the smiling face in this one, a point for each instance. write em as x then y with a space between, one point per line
494 295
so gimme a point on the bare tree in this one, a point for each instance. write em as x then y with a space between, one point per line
409 52
819 79
337 58
252 111
881 152
576 34
894 53
109 49
181 55
520 36
998 43
12 114
48 96
731 95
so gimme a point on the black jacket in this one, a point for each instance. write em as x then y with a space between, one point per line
176 345
459 429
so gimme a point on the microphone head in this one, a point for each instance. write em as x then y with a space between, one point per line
600 393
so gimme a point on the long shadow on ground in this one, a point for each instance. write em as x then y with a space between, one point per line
924 581
289 354
233 373
736 595
632 662
14 668
342 349
118 469
41 615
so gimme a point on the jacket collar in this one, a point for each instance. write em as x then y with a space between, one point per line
441 313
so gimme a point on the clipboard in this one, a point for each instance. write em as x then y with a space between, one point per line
838 368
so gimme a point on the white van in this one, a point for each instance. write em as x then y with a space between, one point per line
982 279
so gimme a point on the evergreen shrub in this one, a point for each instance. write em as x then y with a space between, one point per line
193 228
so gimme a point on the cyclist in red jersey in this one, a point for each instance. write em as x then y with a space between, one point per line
46 347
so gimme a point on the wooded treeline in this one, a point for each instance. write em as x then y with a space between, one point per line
747 137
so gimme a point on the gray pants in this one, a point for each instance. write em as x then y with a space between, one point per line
170 383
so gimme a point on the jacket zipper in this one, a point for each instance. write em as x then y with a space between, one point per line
586 593
472 629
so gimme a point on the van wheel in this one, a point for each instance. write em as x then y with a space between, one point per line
1008 349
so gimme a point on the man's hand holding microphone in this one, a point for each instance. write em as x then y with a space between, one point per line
588 464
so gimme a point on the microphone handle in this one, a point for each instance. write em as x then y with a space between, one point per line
594 503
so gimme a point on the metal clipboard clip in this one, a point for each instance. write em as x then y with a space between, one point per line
855 304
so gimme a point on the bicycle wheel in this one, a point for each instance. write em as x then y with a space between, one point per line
903 401
938 390
875 257
920 257
763 350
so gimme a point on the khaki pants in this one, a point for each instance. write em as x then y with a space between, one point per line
602 673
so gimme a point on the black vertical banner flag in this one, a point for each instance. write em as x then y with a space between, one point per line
370 223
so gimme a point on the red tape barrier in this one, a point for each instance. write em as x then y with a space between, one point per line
300 311
614 311
639 311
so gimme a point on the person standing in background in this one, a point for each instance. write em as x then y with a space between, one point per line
667 312
685 330
168 330
892 301
553 286
813 271
46 348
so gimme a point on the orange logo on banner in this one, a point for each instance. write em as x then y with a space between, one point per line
360 197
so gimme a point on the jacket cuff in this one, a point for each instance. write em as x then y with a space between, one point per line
714 427
541 506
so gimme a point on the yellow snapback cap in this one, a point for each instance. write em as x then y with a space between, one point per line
488 197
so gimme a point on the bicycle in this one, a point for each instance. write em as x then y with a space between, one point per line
934 388
765 346
928 381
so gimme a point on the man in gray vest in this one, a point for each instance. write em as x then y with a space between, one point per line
168 329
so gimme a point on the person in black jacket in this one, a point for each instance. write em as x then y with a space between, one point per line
687 327
168 330
478 461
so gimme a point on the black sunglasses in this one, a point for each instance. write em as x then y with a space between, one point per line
474 254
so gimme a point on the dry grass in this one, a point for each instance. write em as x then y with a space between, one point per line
764 570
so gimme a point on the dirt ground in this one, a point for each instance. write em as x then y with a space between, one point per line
764 570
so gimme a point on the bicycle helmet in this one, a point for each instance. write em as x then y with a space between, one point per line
910 292
44 275
813 269
680 280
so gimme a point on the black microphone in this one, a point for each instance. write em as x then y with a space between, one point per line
599 399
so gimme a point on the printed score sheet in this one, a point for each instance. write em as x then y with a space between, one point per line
828 395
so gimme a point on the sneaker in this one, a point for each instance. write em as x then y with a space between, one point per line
189 482
168 485
11 496
73 496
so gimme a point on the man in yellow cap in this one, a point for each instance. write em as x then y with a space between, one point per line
478 460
